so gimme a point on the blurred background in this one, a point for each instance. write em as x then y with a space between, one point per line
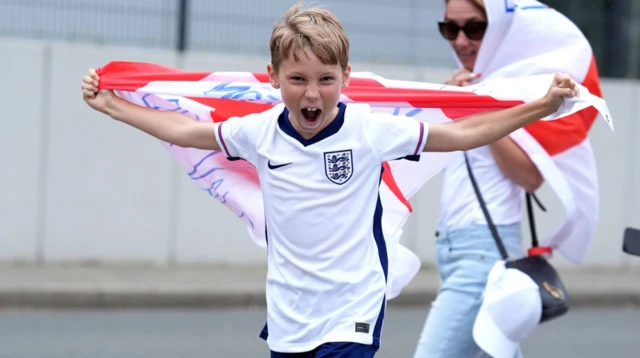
82 192
400 32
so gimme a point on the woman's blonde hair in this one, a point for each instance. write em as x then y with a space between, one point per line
479 4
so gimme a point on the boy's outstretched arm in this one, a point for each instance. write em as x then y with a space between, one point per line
172 127
484 128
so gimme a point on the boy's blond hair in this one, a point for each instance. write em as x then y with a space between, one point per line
315 28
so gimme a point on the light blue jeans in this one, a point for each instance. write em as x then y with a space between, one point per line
464 257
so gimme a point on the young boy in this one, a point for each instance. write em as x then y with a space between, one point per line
319 163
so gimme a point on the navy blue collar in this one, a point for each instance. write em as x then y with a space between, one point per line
326 132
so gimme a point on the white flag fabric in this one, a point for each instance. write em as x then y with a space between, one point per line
217 96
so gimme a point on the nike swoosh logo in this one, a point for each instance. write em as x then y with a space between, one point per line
277 166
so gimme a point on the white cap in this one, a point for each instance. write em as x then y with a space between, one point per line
510 311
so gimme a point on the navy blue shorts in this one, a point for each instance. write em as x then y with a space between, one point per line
333 350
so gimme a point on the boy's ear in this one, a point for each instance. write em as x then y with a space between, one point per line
273 76
346 76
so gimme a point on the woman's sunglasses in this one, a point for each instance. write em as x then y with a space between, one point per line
473 29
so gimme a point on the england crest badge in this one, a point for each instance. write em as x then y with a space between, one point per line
338 166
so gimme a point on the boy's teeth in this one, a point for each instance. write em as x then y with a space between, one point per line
311 109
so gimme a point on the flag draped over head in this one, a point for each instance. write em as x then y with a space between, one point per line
527 38
217 96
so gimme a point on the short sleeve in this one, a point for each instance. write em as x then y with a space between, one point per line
236 139
396 137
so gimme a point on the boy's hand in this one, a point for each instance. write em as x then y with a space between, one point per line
562 86
96 100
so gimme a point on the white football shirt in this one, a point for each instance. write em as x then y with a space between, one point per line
327 259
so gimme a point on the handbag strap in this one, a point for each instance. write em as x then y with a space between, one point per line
483 206
532 223
492 226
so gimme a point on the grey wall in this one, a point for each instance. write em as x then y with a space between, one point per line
400 31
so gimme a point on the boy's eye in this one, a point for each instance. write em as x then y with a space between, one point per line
327 79
296 78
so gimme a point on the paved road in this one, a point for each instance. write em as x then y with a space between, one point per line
593 332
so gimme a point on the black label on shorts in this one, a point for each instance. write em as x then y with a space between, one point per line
362 327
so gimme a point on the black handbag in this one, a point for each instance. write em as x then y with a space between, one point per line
553 294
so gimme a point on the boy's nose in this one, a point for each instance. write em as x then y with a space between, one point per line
311 92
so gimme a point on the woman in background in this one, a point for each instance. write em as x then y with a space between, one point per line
493 39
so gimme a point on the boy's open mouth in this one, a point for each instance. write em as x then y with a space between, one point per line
311 114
